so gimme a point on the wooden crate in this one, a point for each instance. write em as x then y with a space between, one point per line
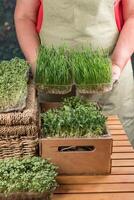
95 159
49 105
77 162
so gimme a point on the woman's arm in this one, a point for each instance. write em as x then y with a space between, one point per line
125 44
25 22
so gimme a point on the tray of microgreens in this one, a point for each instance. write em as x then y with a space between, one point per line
76 118
54 73
60 67
27 178
13 84
92 70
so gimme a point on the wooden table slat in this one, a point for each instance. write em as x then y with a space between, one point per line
66 180
117 132
122 156
115 127
122 170
119 137
124 143
99 196
113 117
123 163
97 188
113 122
123 149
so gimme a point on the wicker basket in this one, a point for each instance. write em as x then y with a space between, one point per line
15 146
19 130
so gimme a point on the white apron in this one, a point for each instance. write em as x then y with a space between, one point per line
91 22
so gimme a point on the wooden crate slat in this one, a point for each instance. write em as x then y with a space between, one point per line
122 156
123 163
99 196
123 149
66 180
97 188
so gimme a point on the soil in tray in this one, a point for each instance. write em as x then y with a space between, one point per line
54 89
26 196
93 89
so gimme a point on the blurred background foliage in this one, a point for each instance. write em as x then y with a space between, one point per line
9 47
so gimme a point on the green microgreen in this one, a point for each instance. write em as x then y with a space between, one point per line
53 67
29 174
76 118
91 67
58 66
13 82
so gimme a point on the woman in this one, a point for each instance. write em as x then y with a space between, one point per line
84 22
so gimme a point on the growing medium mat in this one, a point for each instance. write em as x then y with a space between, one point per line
19 130
28 116
25 196
13 85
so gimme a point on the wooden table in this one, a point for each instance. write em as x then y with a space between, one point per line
119 185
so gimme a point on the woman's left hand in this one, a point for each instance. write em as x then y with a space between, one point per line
116 72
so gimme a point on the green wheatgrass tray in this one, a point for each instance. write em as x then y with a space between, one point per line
59 66
53 72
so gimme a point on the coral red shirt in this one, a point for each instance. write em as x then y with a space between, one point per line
118 15
40 17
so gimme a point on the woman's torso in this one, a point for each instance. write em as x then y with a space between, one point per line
79 22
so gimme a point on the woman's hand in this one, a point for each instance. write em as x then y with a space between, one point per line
116 72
